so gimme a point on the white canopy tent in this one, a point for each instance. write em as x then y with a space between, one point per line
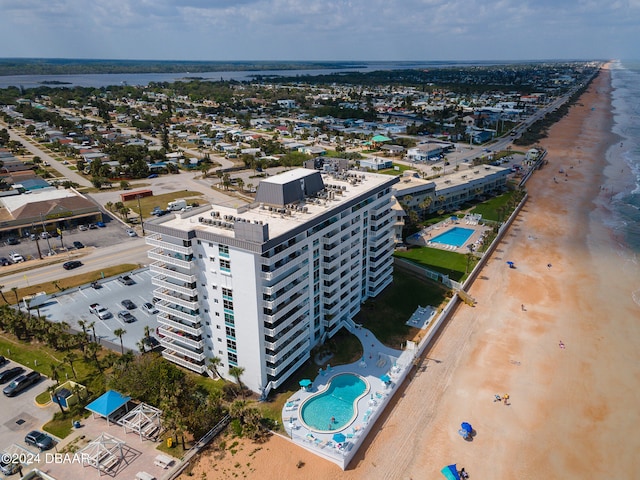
145 420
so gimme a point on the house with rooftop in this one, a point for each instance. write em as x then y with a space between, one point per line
260 285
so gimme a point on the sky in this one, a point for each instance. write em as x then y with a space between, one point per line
318 30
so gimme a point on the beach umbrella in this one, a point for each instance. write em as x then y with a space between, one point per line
385 378
339 437
467 427
305 382
451 472
510 264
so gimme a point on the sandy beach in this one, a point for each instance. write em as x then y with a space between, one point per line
559 339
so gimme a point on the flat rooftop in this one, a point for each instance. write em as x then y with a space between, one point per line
339 189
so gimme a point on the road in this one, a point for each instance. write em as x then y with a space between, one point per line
94 259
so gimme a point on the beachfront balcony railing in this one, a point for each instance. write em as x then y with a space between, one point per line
302 349
160 268
166 257
301 328
198 367
155 240
169 309
161 281
171 345
165 294
282 284
169 322
179 335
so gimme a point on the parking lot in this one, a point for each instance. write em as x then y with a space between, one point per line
113 233
19 415
73 305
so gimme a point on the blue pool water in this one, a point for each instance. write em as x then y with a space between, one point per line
456 236
337 402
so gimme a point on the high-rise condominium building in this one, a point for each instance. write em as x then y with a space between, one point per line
259 286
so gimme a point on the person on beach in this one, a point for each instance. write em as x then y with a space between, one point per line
522 307
506 398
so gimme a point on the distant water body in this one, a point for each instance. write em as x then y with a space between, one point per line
625 78
108 79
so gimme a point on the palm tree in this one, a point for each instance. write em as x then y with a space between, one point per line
240 183
55 398
55 373
15 292
119 332
237 372
70 358
214 363
92 351
2 294
92 326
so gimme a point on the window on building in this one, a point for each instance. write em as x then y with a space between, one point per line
225 265
223 250
227 292
231 332
231 344
228 304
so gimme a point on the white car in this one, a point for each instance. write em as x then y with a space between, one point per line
149 308
132 233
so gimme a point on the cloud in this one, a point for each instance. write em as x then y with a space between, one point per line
323 29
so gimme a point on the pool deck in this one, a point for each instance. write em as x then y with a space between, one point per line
378 360
423 238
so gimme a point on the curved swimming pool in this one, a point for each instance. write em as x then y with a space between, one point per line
336 406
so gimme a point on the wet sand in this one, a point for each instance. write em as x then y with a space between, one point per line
569 360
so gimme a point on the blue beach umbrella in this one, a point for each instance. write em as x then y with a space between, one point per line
339 437
305 383
385 378
467 427
450 472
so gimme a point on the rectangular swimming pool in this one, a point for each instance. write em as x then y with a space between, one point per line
457 236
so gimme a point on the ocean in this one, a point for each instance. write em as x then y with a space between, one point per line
625 197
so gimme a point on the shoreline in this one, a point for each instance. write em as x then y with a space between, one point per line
559 340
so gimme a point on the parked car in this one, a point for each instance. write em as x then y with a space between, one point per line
10 374
149 308
7 466
44 235
39 439
156 211
16 257
153 175
4 261
128 304
92 226
131 233
3 360
78 245
72 264
100 224
83 228
150 343
21 383
126 280
126 316
12 241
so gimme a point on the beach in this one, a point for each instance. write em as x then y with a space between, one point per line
557 333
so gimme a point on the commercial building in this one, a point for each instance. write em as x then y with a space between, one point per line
259 286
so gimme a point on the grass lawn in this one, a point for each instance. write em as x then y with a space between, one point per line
148 203
489 209
393 171
386 315
448 263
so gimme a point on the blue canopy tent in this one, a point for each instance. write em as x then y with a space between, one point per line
107 404
450 472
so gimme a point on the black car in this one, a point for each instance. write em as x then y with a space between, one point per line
72 264
126 317
12 241
39 439
77 244
4 261
10 374
126 280
3 360
21 383
128 304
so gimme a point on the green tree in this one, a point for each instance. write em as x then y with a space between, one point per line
119 332
237 372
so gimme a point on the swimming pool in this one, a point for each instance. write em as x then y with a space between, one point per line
457 236
336 406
